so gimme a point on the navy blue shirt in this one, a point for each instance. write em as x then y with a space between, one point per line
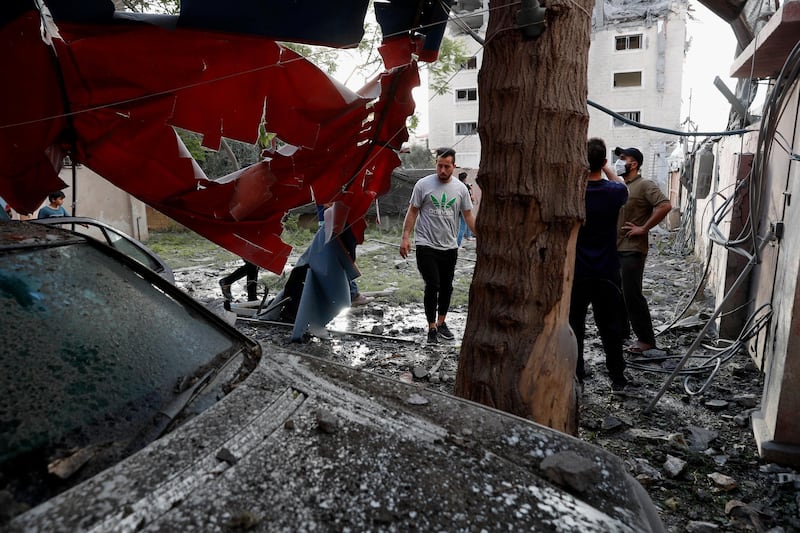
596 251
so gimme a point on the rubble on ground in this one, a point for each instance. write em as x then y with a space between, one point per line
695 454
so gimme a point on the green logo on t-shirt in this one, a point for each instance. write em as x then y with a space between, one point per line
443 203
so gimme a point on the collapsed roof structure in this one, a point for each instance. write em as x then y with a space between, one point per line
106 89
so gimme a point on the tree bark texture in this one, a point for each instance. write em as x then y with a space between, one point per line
519 353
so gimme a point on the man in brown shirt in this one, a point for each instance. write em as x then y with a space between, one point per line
647 206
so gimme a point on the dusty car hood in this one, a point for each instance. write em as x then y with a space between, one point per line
305 444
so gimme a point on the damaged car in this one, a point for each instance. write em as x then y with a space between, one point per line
107 366
115 238
100 357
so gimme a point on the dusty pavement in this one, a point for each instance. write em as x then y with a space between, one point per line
694 453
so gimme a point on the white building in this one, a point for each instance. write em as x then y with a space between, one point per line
453 116
635 68
636 62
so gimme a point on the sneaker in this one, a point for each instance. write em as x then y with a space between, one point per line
432 338
359 300
619 384
444 332
226 290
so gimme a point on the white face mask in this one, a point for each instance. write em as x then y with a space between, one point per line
620 167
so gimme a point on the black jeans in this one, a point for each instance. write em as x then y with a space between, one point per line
251 271
437 268
632 264
608 309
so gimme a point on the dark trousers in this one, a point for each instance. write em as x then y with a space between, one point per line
608 309
437 268
251 271
632 268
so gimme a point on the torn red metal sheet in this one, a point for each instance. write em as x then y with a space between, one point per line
110 95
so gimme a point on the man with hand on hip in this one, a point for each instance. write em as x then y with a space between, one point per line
646 207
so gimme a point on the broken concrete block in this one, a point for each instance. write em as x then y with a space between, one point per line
327 421
674 466
570 470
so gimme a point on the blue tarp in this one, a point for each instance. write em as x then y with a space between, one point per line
327 287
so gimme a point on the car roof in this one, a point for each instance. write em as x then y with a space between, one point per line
16 234
152 259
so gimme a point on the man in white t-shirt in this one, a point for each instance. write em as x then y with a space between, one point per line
434 209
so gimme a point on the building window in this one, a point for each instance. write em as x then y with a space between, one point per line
466 95
628 79
466 128
628 42
470 64
635 116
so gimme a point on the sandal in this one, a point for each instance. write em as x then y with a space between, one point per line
638 348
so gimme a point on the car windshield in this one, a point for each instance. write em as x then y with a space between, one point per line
90 349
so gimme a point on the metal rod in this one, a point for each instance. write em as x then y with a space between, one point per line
705 329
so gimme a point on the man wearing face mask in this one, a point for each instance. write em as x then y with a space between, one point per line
646 206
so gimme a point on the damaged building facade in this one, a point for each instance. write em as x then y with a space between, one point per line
739 203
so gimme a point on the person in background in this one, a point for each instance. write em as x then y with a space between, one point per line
463 230
55 208
597 278
647 206
433 211
249 270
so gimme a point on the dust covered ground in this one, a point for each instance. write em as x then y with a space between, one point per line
694 453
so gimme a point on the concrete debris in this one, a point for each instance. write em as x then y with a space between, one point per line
327 421
743 418
671 503
716 405
419 371
772 468
739 508
571 471
674 466
407 377
746 400
649 434
701 527
611 422
699 438
720 459
64 467
227 456
722 481
677 440
435 368
643 471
